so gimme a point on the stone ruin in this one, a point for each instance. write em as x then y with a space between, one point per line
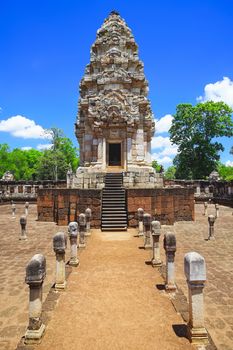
7 176
115 123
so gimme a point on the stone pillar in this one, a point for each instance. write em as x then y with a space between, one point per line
216 210
140 222
35 274
73 235
82 225
147 224
23 224
211 220
88 222
156 231
16 189
169 243
26 208
59 247
13 209
205 208
104 154
198 190
195 272
129 149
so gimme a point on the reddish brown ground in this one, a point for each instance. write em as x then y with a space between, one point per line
112 301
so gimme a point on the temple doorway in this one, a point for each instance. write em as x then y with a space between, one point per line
114 154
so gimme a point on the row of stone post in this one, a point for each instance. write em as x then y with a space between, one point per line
194 269
205 212
13 209
36 271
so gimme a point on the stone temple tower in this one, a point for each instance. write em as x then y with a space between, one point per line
115 123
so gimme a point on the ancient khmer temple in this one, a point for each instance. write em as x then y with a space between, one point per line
115 123
114 129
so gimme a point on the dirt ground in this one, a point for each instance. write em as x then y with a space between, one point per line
114 299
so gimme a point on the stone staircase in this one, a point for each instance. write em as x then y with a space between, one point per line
114 213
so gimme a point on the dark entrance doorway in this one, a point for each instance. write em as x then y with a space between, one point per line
114 154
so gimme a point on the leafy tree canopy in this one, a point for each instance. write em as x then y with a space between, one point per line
170 173
194 130
225 172
158 167
50 164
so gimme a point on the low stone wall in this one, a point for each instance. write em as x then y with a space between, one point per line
25 190
64 205
166 204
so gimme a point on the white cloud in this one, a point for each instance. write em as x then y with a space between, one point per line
20 126
222 90
163 150
162 160
42 147
229 163
26 148
163 124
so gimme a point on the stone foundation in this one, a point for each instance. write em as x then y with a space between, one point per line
134 177
166 205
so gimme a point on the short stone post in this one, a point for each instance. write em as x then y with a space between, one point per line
216 210
140 222
88 222
169 243
13 209
82 225
211 220
73 235
23 224
195 272
205 208
156 231
59 247
35 274
26 208
147 224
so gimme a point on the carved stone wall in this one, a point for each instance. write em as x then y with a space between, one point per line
113 105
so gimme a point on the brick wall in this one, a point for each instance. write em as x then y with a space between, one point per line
166 205
64 205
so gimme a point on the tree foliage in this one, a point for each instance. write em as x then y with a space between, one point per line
225 172
170 173
194 130
56 161
50 164
158 167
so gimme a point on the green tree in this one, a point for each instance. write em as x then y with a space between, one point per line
158 167
170 173
56 161
194 130
4 158
225 172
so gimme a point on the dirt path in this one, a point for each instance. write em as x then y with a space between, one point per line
112 301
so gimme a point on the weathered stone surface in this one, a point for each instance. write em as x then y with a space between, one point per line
114 109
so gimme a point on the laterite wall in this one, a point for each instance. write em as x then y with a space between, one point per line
166 204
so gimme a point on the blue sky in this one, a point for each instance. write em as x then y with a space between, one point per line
45 45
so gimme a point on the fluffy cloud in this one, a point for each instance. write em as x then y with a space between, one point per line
163 124
26 148
23 127
220 91
42 147
163 150
229 163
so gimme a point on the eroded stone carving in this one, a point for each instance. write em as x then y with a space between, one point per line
113 108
